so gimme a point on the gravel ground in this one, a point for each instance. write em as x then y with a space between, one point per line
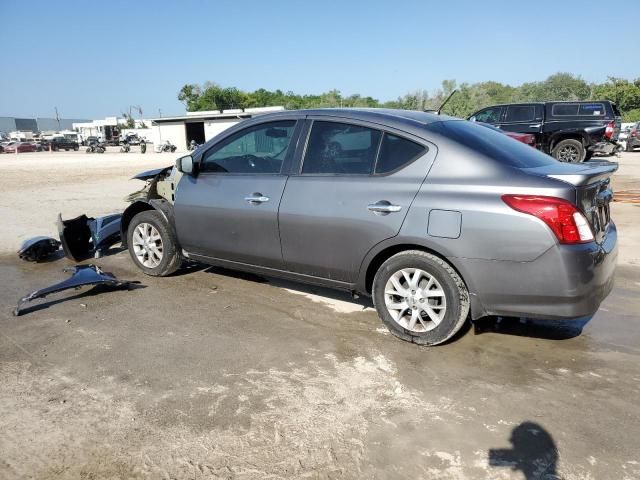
213 374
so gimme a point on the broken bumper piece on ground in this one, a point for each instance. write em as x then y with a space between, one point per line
39 248
82 275
83 237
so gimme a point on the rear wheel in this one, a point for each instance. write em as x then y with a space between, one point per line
420 297
76 148
152 245
569 150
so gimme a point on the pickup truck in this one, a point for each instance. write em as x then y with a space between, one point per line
569 131
61 143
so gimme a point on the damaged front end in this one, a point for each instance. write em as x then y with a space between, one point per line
81 275
159 183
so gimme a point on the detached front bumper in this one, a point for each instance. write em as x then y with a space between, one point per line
566 282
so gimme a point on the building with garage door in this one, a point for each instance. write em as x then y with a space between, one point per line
200 126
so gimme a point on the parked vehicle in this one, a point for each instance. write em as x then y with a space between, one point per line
434 217
22 147
168 147
131 139
61 143
633 138
569 131
96 147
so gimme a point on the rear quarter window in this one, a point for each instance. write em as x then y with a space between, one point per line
591 109
397 152
493 144
564 109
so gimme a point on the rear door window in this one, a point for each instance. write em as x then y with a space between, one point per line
396 152
520 113
338 148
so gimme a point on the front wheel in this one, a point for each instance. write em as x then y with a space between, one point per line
420 297
569 151
76 148
152 245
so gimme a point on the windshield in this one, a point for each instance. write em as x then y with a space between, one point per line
493 143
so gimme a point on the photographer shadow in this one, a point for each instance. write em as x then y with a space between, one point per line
533 453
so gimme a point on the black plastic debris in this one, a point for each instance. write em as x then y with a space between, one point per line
39 248
82 275
83 237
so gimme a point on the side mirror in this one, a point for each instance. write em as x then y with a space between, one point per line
472 119
185 165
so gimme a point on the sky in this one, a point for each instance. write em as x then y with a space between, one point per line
95 59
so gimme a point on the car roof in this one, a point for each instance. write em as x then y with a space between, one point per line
385 116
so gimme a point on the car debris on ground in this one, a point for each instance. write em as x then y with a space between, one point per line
81 275
39 248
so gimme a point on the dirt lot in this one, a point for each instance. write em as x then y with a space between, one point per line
211 374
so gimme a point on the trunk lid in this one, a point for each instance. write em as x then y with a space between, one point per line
592 184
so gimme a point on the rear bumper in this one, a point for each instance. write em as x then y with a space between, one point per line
567 281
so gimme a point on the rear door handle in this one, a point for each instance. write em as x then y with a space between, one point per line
256 198
383 207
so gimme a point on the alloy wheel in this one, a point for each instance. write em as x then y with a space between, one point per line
415 300
569 154
147 245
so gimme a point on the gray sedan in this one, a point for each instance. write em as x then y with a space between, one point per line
436 218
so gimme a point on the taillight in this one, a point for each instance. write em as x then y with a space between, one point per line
608 132
633 133
563 218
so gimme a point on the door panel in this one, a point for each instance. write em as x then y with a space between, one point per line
525 118
230 210
215 217
329 223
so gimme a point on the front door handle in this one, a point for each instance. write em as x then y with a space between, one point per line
256 198
537 125
383 207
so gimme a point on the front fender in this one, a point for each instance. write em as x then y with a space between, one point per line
159 204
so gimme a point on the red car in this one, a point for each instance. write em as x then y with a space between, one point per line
21 146
527 138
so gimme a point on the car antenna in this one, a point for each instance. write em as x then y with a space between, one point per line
446 101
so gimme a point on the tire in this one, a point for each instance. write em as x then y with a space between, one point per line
440 277
569 150
147 260
100 150
88 149
628 147
76 148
